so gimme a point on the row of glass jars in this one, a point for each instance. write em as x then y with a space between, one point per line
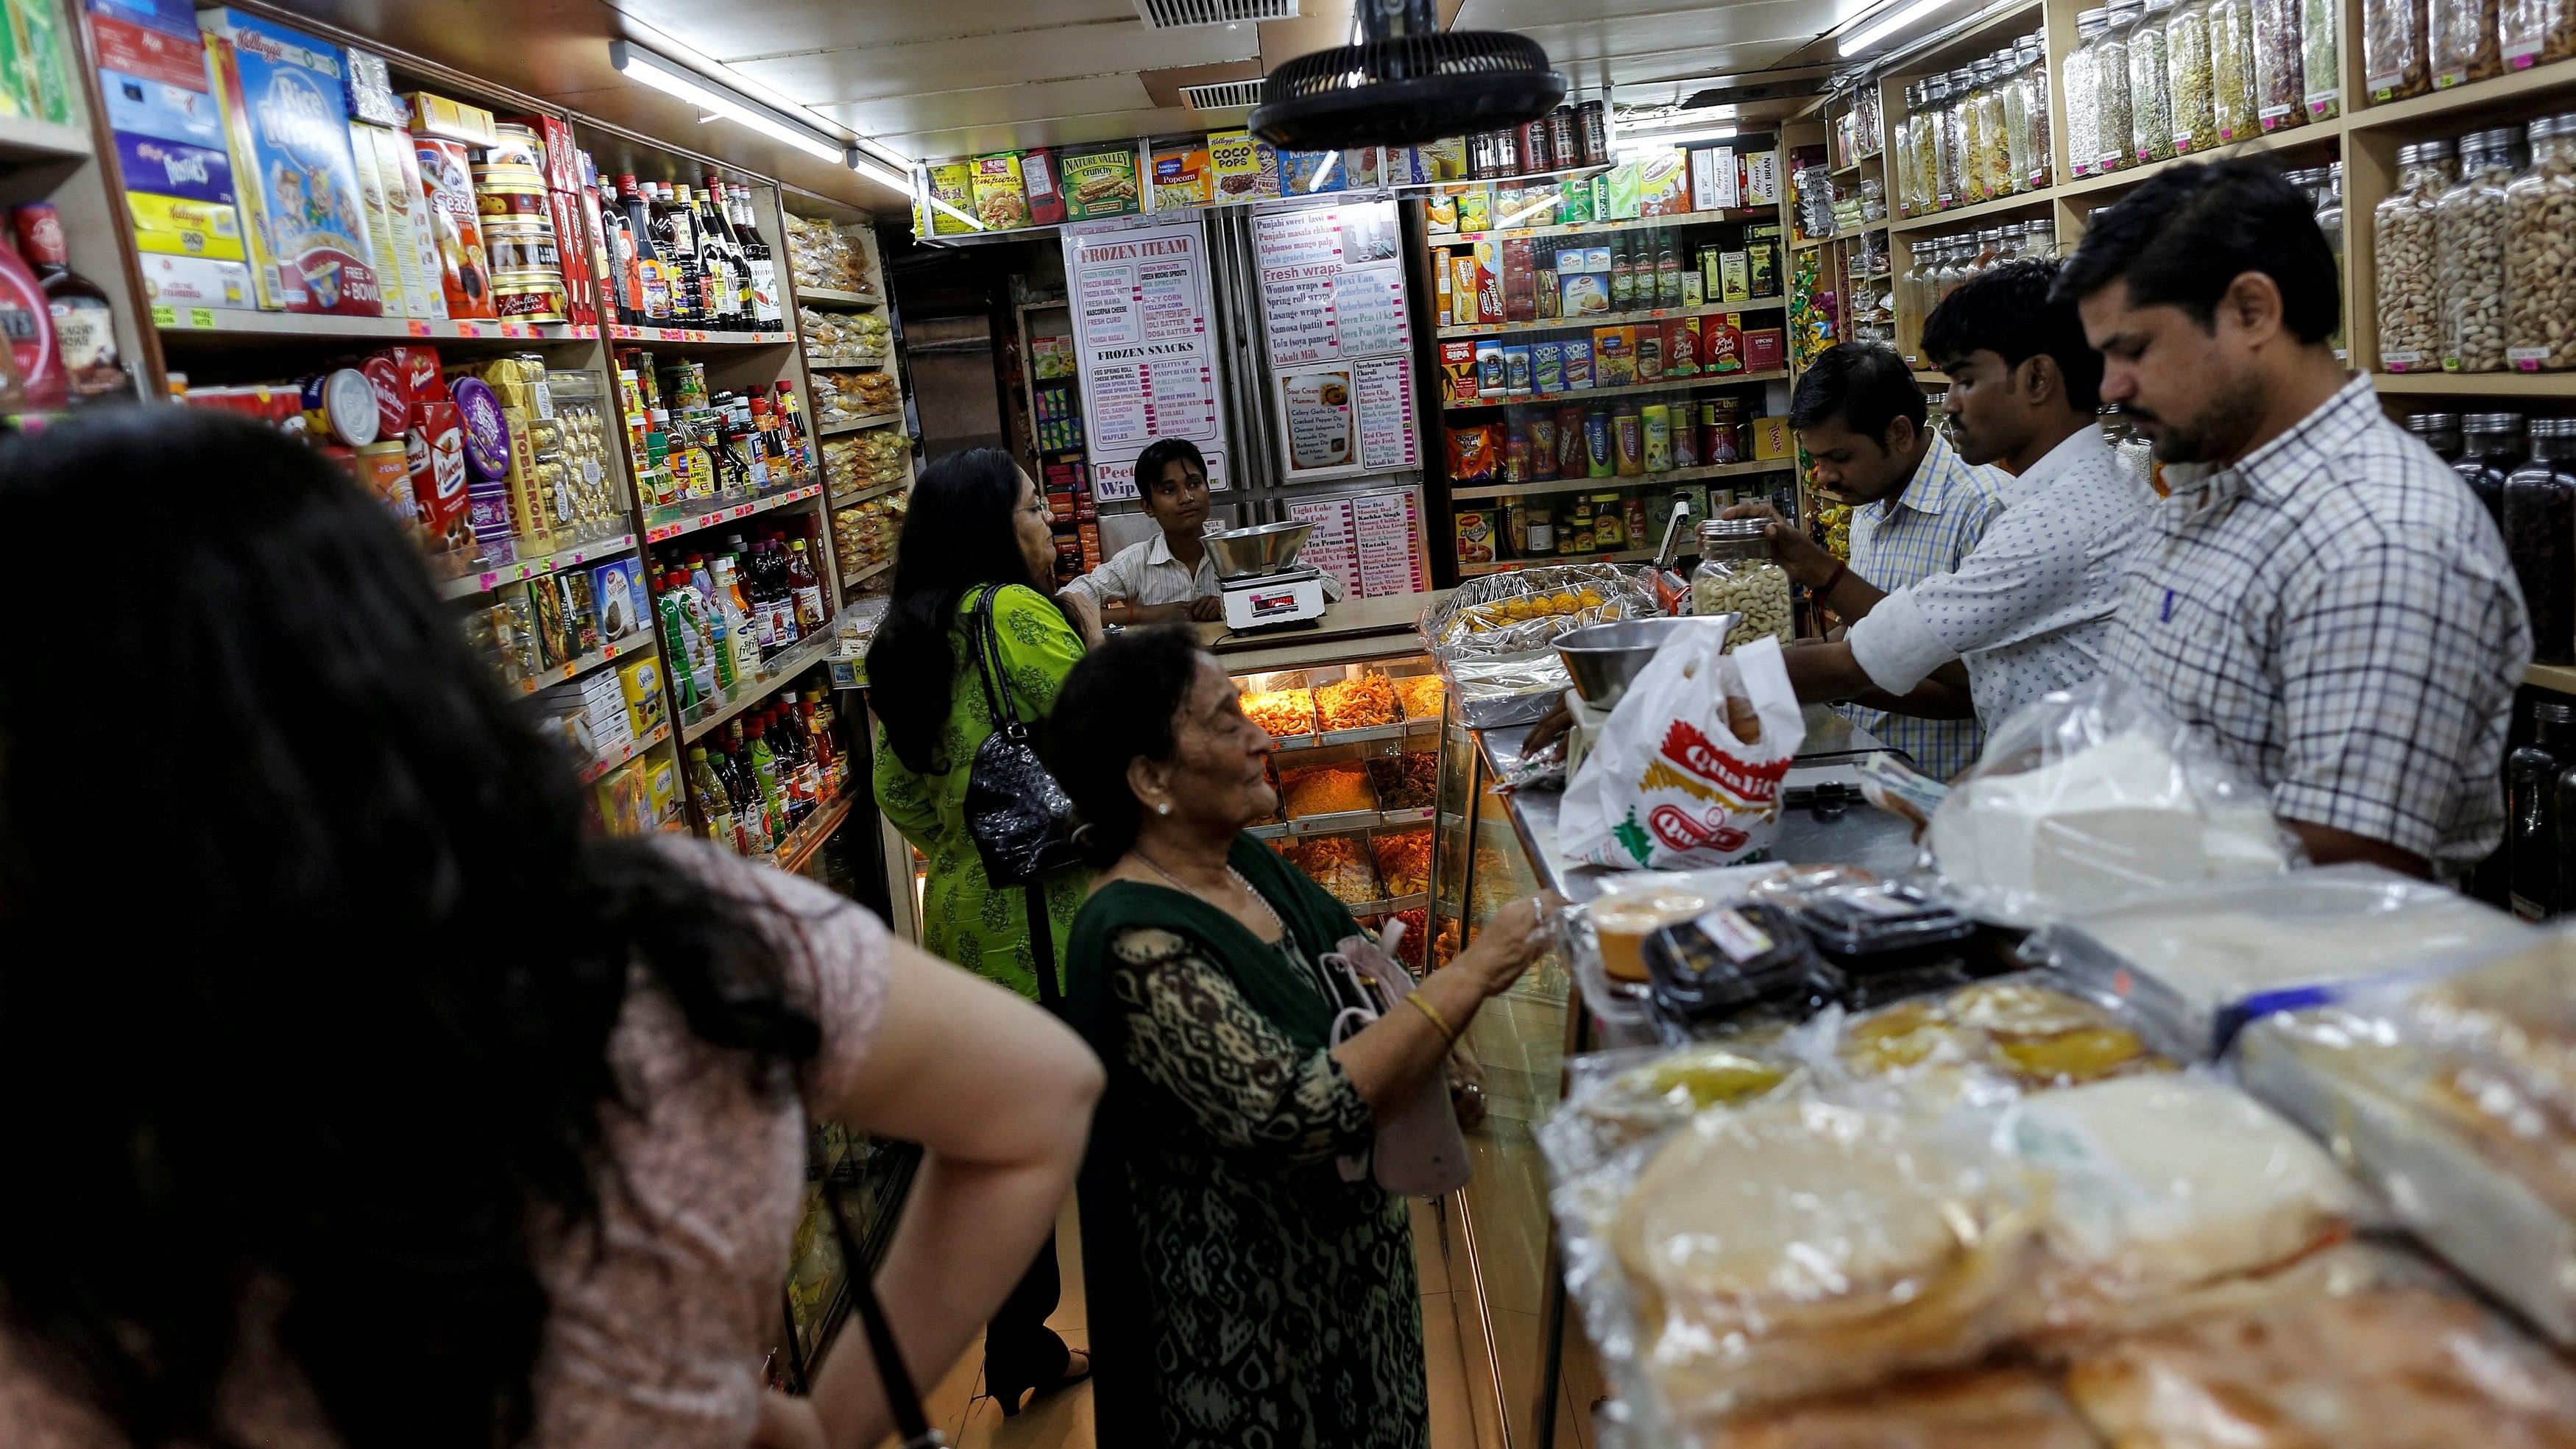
2475 253
1979 133
2525 474
1934 268
2409 47
2149 80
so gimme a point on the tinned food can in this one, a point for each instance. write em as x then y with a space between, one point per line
1564 137
1593 125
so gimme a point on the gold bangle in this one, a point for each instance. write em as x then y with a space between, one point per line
1447 1033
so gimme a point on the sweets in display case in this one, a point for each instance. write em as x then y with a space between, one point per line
1325 790
1359 703
1403 860
1281 711
1338 863
1406 781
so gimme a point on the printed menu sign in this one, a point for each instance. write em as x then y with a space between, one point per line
1372 542
1340 339
1145 354
1383 387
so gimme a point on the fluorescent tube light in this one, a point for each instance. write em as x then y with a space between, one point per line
1677 120
877 171
1667 140
639 64
1886 26
1324 172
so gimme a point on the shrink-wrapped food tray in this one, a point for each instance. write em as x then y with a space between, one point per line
1492 634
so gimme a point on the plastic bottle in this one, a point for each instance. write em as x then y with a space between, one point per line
719 628
807 585
680 644
715 810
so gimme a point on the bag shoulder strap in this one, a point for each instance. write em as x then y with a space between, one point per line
984 642
903 1401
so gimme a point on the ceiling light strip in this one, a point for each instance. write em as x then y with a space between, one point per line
672 79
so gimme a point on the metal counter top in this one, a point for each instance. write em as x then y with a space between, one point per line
1858 834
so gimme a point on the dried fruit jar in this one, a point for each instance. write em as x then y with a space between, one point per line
1736 576
2111 87
2035 101
1995 156
2187 77
2403 235
2231 69
2466 46
2469 232
2280 71
2150 86
2321 74
2540 252
2083 96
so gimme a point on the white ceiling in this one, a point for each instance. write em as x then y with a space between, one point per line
936 78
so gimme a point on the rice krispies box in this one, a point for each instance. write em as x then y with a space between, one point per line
288 124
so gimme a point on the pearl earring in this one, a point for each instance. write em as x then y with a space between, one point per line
1163 809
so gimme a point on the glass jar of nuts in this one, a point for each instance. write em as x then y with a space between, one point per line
1736 576
2540 252
2469 233
2402 229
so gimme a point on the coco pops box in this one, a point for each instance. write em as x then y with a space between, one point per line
288 123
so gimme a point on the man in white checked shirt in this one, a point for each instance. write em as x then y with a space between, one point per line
1918 509
2320 594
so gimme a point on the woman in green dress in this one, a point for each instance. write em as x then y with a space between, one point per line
1268 1299
977 525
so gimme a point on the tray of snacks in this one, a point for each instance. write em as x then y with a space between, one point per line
1341 864
1288 714
1327 797
1492 634
1403 860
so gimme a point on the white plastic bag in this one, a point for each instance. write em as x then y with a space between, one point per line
1672 784
2091 797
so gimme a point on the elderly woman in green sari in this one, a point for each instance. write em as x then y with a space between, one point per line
1264 1297
976 534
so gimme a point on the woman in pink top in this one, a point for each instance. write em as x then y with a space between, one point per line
355 1095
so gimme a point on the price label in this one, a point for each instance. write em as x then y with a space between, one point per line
202 318
468 329
417 328
164 316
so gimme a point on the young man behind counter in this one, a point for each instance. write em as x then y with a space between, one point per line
2028 609
2319 595
1918 508
1171 576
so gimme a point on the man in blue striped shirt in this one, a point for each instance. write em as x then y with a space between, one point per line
1918 509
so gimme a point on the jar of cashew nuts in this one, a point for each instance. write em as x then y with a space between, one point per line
2402 231
1737 576
2469 233
2540 252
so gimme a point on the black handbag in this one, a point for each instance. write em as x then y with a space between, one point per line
1020 818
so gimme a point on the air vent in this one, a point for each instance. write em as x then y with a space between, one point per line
1174 14
1237 95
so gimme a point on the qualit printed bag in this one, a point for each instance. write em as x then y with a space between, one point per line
1686 775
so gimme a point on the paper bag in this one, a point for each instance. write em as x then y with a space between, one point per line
1686 775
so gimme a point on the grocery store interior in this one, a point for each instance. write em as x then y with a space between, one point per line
645 320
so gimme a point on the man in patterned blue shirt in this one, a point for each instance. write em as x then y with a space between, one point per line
1918 508
2319 594
2028 609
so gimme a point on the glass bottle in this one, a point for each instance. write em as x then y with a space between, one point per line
2494 444
1900 162
2437 431
2231 70
766 311
2151 119
2531 775
2003 178
2539 290
2280 72
2465 41
2469 230
2393 55
2033 81
2330 221
2188 78
83 316
2540 537
1954 135
1920 168
2403 232
1968 100
2008 85
2111 88
2083 97
1942 174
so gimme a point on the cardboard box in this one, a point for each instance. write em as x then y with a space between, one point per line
1614 356
1458 372
1001 200
1046 197
951 182
173 226
149 52
1577 363
455 226
436 115
1734 277
1475 208
381 199
1771 438
181 281
1234 166
1714 181
179 169
1463 307
300 205
398 165
141 106
1766 349
1761 178
1182 177
1663 184
1098 181
1303 173
1489 281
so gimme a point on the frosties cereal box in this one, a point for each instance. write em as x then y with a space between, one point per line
288 122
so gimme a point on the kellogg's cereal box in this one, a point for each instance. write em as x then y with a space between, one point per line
289 133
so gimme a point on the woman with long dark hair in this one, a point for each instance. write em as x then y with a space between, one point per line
975 539
360 1098
1264 1295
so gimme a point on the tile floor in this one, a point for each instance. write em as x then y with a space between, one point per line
974 1421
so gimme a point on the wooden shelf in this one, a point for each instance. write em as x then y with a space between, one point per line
217 324
774 675
1607 319
834 297
663 524
873 490
2494 384
2316 133
24 138
873 420
810 833
1588 228
828 360
617 755
693 337
1625 389
485 581
2504 90
1634 480
2026 201
2557 678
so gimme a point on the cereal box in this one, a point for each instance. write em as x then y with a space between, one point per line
195 282
1046 196
1614 355
176 168
1181 177
379 202
1001 201
289 130
1098 181
143 106
1304 172
1234 164
1578 363
1458 372
175 226
399 165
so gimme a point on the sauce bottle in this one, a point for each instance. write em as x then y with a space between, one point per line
84 320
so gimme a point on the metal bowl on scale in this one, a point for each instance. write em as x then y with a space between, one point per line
1604 659
1244 553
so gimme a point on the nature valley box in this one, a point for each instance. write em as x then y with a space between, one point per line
1098 181
288 125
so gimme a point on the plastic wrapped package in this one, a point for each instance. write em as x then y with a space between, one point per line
2205 961
2535 32
1799 1246
2092 796
2465 41
1491 634
2402 1364
2170 1190
1731 965
2019 1032
1987 1408
2280 67
1617 1099
2231 70
2394 63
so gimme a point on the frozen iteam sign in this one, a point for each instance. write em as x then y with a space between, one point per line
1147 353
